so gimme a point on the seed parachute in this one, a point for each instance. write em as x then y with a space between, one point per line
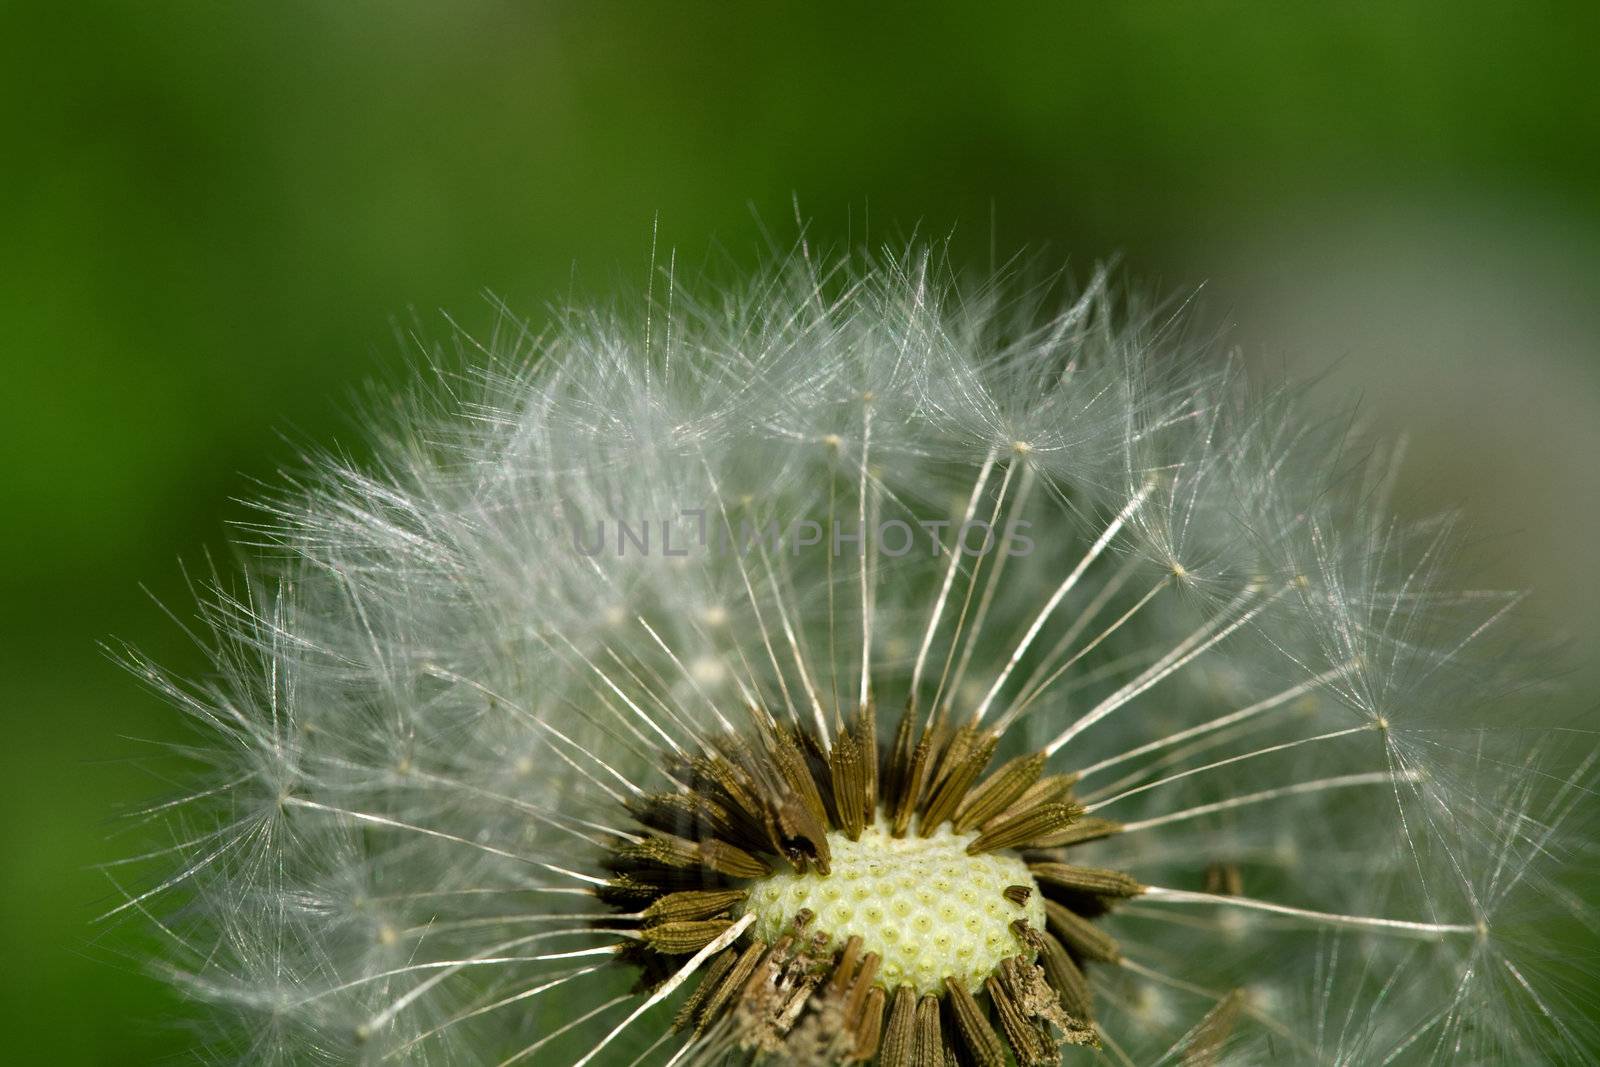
862 665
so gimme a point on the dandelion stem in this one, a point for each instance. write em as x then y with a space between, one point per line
535 721
1096 806
794 642
1220 722
514 998
972 587
750 592
1091 611
688 675
1400 926
1029 697
1099 546
667 988
992 583
866 588
949 576
644 716
558 1031
379 820
1367 778
1186 651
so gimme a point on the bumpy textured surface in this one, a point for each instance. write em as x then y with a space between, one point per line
924 905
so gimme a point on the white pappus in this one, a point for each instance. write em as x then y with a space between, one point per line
855 665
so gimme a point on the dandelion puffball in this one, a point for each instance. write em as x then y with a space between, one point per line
859 666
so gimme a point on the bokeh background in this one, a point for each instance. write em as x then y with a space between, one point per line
212 217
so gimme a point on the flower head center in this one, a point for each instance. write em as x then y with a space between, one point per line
928 909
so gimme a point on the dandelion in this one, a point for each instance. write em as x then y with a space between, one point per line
857 666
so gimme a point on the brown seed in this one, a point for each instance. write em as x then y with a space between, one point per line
1025 827
680 938
1066 978
861 988
694 904
1056 789
982 1043
1078 832
950 748
897 762
798 823
899 1033
630 889
1223 879
998 791
1080 935
869 1031
740 796
719 773
929 1045
732 983
791 764
786 1015
1014 1021
1207 1040
911 784
844 970
662 849
847 769
867 741
1100 881
953 789
714 975
1013 994
686 814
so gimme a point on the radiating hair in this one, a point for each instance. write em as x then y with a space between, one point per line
587 562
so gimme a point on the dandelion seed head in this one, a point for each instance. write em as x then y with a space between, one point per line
862 663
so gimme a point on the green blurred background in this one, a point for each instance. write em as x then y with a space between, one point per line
212 215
